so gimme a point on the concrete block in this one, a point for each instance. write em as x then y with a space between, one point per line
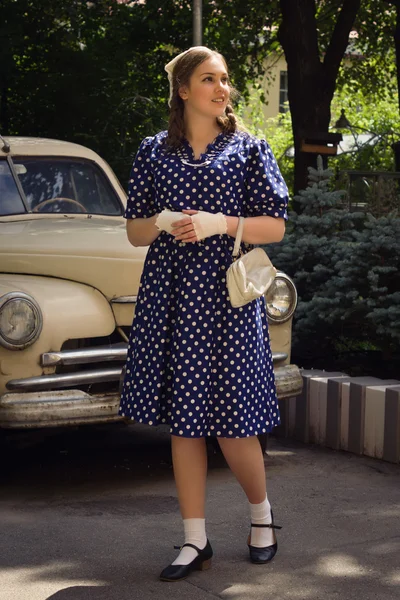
301 426
318 400
391 438
357 412
374 422
344 404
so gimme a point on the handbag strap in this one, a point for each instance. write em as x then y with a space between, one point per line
238 237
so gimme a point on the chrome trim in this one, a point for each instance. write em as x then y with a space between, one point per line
75 407
124 300
57 408
84 356
38 315
55 382
293 305
279 356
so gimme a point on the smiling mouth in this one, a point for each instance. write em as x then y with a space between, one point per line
219 100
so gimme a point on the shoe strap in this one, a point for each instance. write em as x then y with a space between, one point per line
189 546
270 525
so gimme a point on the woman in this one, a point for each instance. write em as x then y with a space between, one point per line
195 362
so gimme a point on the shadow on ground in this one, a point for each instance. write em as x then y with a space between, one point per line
92 515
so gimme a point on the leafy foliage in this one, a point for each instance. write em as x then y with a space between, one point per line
383 121
93 72
373 68
346 266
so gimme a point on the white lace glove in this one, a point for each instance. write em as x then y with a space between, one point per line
166 218
207 224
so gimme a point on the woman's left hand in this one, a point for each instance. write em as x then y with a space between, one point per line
202 224
207 224
183 230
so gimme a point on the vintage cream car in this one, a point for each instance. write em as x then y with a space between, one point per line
68 286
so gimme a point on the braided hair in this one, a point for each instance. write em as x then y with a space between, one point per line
182 73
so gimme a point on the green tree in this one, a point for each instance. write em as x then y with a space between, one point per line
314 56
346 266
383 122
74 70
93 71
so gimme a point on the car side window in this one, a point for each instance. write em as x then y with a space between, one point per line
10 200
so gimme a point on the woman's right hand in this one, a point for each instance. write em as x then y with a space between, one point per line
166 219
183 230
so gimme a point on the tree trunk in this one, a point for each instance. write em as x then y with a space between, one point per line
396 37
397 45
312 114
311 73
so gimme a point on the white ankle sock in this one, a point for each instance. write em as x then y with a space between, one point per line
260 514
195 533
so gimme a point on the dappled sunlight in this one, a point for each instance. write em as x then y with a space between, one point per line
52 571
47 579
393 578
280 453
239 591
383 548
13 517
341 565
92 515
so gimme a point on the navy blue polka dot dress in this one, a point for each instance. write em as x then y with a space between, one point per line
195 362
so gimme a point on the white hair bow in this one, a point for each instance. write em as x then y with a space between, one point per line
169 67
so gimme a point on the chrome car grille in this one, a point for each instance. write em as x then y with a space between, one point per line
91 365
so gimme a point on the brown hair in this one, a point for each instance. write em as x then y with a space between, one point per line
182 72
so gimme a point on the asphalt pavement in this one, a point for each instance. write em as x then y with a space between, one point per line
91 514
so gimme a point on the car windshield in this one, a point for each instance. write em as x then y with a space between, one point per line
53 185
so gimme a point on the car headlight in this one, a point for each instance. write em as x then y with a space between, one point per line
281 299
20 320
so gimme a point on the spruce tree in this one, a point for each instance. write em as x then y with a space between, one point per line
346 269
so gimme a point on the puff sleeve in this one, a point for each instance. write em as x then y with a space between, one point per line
141 192
266 191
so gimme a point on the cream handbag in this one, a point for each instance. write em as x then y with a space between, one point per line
249 276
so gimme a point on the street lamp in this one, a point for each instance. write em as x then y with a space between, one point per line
342 122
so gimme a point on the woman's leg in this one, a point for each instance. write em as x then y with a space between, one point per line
245 459
189 458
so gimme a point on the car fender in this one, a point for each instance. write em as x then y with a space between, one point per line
70 310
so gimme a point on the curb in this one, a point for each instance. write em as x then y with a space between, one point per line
355 414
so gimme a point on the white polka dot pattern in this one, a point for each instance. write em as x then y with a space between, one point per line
194 361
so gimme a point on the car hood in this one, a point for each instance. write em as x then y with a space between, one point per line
93 250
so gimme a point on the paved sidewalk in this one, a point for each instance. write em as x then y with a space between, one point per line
85 541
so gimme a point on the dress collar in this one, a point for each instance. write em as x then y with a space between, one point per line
219 143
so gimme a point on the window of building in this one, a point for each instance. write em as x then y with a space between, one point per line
283 92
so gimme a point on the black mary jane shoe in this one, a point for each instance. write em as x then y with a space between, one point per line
200 563
260 556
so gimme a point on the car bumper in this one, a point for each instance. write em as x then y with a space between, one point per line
74 407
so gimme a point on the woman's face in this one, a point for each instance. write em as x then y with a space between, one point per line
208 91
